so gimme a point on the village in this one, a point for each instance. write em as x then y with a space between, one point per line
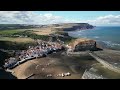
44 48
41 50
80 47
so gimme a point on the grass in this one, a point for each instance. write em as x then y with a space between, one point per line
10 32
8 35
19 40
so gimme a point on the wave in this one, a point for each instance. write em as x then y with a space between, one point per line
110 43
96 37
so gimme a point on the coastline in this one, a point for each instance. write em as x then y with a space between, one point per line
61 64
72 68
105 46
107 37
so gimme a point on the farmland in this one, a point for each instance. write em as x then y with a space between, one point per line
10 32
19 40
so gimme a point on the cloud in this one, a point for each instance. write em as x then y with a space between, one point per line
48 18
106 20
15 17
30 17
101 20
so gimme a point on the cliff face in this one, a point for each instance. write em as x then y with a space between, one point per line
62 26
75 26
83 44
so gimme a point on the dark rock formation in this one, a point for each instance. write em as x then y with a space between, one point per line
84 44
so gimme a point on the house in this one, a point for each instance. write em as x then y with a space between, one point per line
10 63
33 52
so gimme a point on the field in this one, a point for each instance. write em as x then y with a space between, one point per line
19 40
10 32
14 39
43 31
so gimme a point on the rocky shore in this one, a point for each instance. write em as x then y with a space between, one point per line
99 71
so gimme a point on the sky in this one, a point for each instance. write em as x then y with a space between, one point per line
97 18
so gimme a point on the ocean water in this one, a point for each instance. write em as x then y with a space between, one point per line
108 35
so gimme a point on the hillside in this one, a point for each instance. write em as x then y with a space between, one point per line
74 26
16 26
62 26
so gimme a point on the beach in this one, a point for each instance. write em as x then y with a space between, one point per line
54 64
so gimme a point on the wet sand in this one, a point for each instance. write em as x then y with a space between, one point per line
54 64
110 56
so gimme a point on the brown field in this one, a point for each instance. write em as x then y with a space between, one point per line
43 31
17 39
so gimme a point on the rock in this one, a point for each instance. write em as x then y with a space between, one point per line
36 67
43 69
48 64
83 44
58 75
67 74
62 75
49 75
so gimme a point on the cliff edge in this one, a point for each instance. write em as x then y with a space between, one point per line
74 26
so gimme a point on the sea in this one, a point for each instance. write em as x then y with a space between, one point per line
108 36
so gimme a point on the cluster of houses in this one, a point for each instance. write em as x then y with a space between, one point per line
42 49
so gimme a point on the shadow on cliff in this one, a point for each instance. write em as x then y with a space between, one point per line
3 73
6 75
96 49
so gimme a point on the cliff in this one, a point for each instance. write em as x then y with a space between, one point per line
83 44
74 26
61 26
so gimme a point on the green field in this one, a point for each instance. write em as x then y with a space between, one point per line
10 32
